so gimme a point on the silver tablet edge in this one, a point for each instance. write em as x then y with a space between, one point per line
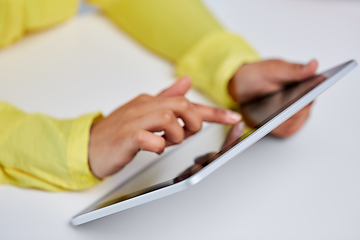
246 143
272 124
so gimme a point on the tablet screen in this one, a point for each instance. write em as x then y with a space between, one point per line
256 113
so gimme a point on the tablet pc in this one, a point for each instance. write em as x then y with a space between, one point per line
263 115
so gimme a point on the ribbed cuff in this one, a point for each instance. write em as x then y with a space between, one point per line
213 61
77 152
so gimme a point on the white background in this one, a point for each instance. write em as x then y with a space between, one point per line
304 187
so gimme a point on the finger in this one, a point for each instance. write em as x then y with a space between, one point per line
179 88
148 141
161 120
187 134
281 71
183 109
293 124
193 114
180 106
235 133
218 115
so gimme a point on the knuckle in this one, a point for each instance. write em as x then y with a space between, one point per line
298 67
219 113
196 126
167 116
177 141
180 137
184 103
143 97
139 137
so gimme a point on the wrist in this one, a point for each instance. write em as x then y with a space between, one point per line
91 167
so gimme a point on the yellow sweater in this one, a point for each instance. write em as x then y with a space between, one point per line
41 152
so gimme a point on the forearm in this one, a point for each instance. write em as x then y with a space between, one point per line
38 151
20 17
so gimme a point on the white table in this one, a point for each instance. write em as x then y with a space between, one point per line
304 187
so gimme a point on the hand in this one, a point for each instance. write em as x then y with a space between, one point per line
115 140
253 80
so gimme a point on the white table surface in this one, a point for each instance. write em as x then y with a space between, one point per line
304 187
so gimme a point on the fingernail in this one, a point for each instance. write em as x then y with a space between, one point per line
233 116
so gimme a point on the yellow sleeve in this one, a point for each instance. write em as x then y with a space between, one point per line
41 152
37 151
184 32
18 17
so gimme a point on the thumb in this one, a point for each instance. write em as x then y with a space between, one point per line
179 88
283 72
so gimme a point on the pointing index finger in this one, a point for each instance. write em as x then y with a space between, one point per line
217 115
